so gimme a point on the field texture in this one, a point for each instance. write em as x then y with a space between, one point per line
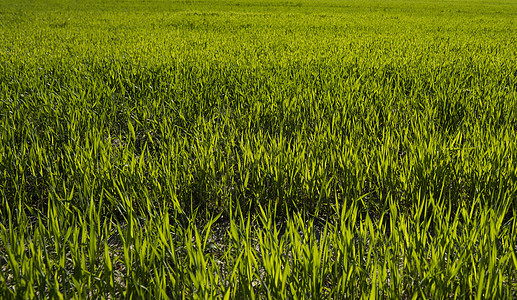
258 149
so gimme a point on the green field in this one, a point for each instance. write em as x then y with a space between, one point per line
323 149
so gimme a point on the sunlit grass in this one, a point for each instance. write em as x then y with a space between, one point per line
260 150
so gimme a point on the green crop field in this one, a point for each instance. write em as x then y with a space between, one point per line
258 149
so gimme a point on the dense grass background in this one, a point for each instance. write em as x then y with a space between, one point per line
132 125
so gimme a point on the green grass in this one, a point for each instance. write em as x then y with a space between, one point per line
258 149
